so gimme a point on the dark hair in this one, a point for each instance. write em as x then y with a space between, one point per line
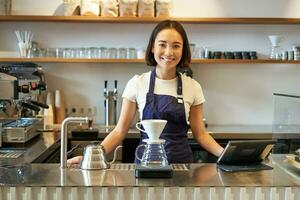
169 24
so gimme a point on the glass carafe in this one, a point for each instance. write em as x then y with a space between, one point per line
154 155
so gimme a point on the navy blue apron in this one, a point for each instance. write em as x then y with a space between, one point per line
171 109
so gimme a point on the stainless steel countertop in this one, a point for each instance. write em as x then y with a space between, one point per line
196 175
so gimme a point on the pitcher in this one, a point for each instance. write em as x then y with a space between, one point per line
154 155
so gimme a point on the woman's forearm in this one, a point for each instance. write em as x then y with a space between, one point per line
209 144
112 140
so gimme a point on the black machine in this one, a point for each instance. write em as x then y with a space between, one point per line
245 155
145 172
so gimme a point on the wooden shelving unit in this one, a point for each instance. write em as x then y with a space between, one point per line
144 20
99 19
70 60
199 61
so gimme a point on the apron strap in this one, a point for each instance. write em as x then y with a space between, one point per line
179 85
152 81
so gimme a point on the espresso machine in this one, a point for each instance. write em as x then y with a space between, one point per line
20 86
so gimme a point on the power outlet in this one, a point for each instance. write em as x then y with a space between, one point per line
81 111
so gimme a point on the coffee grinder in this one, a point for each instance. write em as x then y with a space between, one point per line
154 162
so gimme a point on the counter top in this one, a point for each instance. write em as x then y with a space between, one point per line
34 150
122 175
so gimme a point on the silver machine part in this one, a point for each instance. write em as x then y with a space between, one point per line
110 105
23 132
110 109
7 87
20 85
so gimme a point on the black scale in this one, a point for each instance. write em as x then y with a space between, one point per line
146 172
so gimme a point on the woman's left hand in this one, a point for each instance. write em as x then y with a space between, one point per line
74 161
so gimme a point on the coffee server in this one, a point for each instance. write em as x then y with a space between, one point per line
20 85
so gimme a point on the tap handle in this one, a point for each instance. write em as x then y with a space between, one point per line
105 84
105 88
115 89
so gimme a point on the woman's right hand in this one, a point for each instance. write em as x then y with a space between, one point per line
74 161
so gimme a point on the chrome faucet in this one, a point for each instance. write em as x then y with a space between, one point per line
64 137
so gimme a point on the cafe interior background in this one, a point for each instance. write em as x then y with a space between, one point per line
235 93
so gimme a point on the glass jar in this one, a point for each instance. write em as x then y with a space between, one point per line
50 52
112 53
140 54
103 52
5 7
42 52
131 53
33 51
94 52
122 53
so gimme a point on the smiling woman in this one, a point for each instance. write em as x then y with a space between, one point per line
163 93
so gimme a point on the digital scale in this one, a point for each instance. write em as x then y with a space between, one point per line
146 172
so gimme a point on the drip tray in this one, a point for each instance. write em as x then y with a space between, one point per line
130 167
11 153
127 167
179 167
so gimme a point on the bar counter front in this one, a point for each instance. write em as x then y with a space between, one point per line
189 181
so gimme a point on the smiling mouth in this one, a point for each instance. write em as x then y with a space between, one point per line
168 59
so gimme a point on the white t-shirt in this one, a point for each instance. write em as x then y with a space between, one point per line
137 88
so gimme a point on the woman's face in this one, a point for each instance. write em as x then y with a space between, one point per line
167 48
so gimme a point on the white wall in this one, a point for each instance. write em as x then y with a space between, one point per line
235 93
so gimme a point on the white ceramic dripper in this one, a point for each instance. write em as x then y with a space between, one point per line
275 40
153 127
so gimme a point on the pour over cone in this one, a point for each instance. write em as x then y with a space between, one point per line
275 40
154 127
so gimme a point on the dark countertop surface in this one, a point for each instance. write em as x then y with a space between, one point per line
189 175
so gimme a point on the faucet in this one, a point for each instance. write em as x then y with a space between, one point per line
64 137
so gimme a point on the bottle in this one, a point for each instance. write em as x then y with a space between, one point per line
60 108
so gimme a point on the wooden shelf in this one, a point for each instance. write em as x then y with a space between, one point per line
71 60
196 61
231 61
99 19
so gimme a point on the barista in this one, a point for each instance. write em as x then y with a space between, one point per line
162 93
